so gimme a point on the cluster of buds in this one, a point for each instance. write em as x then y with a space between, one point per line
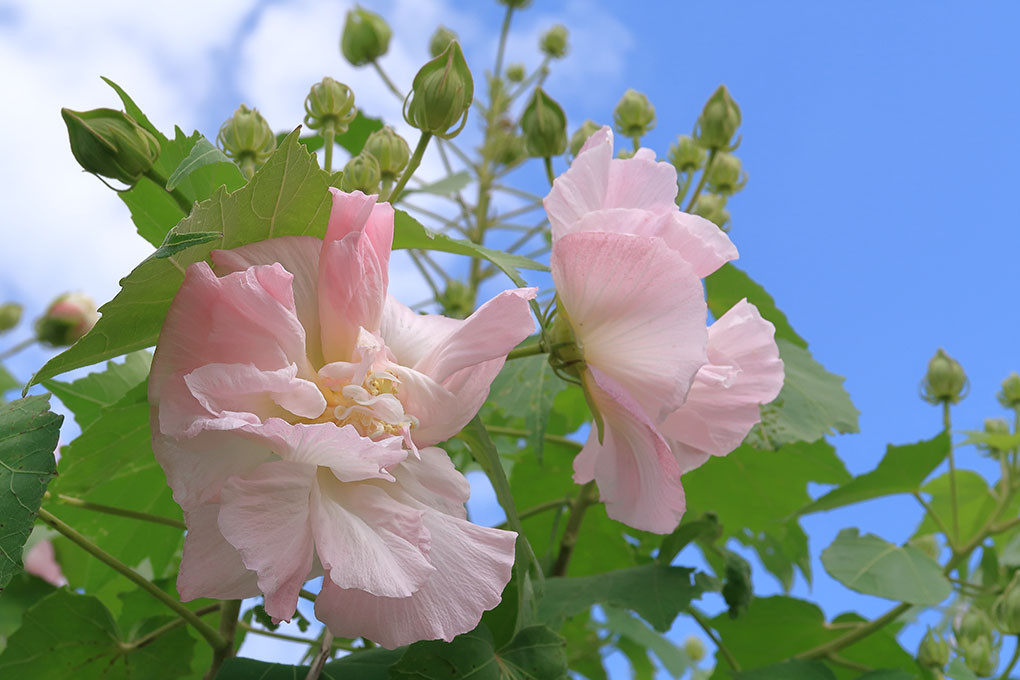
544 125
718 122
247 138
111 144
441 94
634 115
10 315
945 381
365 38
330 104
933 652
975 641
67 319
553 42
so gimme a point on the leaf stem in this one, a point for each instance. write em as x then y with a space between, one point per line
585 497
947 425
412 165
701 181
526 351
935 517
171 626
229 611
550 175
1012 661
293 638
386 79
537 509
847 663
699 618
159 180
121 512
23 345
515 432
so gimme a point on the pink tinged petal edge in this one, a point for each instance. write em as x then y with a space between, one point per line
41 560
265 516
472 567
637 476
411 336
210 566
638 311
582 188
744 372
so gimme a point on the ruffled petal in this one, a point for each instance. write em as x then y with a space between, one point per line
638 478
210 566
412 336
582 188
638 312
433 481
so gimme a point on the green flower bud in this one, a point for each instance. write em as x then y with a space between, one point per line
67 319
928 544
974 624
581 135
10 315
246 136
726 176
713 208
1009 397
981 656
564 353
503 145
1006 608
634 115
694 648
457 301
686 155
553 42
544 125
441 95
996 426
945 380
329 101
625 153
390 150
934 651
718 121
110 143
440 40
515 73
366 37
361 174
737 589
516 4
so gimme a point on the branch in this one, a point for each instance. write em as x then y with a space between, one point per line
727 655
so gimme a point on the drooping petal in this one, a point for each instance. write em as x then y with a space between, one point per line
637 476
744 372
210 566
638 312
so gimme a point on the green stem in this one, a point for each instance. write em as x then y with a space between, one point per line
175 193
585 497
727 655
537 509
386 79
701 181
328 141
163 630
526 351
504 31
847 663
637 143
322 656
215 640
337 644
310 596
1012 661
247 163
552 438
121 512
946 424
550 175
412 165
935 517
24 344
514 191
229 611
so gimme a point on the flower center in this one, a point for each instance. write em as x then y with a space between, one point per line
372 407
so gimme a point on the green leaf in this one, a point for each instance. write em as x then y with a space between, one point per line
873 566
535 653
957 670
812 404
88 396
902 470
175 242
729 285
888 674
203 153
288 196
974 507
583 648
68 635
640 664
707 526
23 591
7 383
657 592
353 140
369 664
996 440
28 436
527 387
781 548
672 658
789 670
450 184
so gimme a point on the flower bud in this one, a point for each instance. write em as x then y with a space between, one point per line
366 37
1009 397
737 588
110 143
713 208
329 101
996 426
945 380
441 95
440 40
625 153
726 176
1006 609
361 174
544 126
972 625
457 300
928 544
67 319
516 4
390 151
553 42
694 648
718 121
981 656
503 145
10 315
634 115
686 155
581 135
515 73
934 651
246 136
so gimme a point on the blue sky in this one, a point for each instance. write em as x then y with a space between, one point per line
879 138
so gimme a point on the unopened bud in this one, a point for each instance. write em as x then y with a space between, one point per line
390 150
441 95
737 589
553 42
365 38
440 40
624 153
10 315
934 651
67 319
330 102
564 352
110 143
457 301
361 174
972 625
928 544
686 155
945 380
634 115
515 73
981 656
503 145
713 208
694 648
1006 608
544 125
246 136
1009 396
718 121
996 426
581 135
726 176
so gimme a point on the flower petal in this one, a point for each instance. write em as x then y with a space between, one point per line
582 188
41 560
412 336
210 566
433 481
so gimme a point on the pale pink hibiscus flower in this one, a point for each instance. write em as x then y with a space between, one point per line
294 410
670 392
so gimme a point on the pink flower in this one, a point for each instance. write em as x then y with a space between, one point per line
40 560
670 392
294 410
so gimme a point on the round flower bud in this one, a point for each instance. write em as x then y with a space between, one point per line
503 145
634 115
1006 609
564 353
737 589
625 153
361 174
934 651
996 426
329 101
945 380
553 42
713 208
544 125
726 176
389 150
456 301
686 155
440 40
694 648
581 135
981 656
441 94
718 121
67 319
1009 397
246 136
972 625
928 544
366 37
10 315
110 143
515 73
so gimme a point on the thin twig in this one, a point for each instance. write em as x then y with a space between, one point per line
727 655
